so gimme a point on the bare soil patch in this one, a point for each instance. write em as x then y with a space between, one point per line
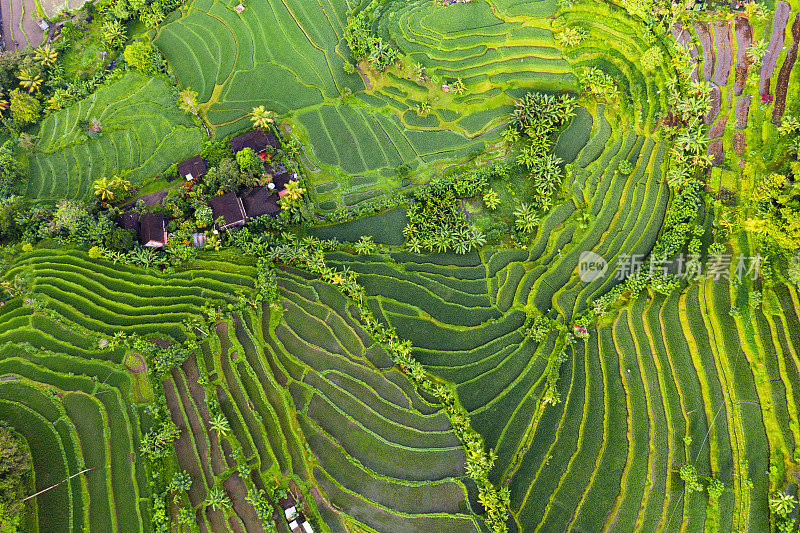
782 85
184 448
715 150
782 11
742 111
237 491
718 129
744 38
739 143
724 52
704 34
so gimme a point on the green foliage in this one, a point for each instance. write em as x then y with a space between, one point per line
571 36
181 481
249 163
652 58
782 504
598 84
715 489
364 44
121 240
140 55
25 108
215 151
688 475
15 465
11 170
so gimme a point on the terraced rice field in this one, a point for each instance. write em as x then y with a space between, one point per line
143 133
289 55
70 398
660 370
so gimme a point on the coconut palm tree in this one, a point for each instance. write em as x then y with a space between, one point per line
782 504
262 117
294 193
217 499
526 219
46 55
220 424
459 87
29 80
104 188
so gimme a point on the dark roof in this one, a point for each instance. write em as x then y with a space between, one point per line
129 220
229 207
280 180
260 201
152 228
194 166
255 139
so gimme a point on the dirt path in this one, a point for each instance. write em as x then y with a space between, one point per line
782 85
782 11
744 38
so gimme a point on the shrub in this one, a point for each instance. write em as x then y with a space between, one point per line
214 152
24 107
121 240
652 58
140 55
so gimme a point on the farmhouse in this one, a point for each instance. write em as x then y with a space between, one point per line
255 139
193 168
150 228
230 208
259 201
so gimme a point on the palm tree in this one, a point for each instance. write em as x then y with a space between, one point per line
478 239
262 117
294 193
104 188
459 87
419 71
527 156
29 80
491 199
424 108
526 219
217 499
782 504
220 424
118 183
414 244
46 55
